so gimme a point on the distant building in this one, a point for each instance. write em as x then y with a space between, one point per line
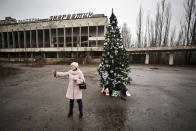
7 21
59 37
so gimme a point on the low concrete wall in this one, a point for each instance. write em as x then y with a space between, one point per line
163 58
159 58
193 58
179 58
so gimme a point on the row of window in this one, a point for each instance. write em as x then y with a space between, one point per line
31 39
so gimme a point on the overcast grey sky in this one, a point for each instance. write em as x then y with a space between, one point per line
125 10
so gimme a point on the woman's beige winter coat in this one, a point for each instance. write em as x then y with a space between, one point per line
75 78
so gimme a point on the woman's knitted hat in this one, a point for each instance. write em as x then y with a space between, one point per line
75 64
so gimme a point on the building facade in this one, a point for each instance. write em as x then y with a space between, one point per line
55 39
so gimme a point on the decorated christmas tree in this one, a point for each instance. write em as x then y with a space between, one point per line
114 67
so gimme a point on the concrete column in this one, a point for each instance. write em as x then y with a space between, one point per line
171 59
147 59
72 36
37 44
131 57
13 38
3 41
19 40
64 37
87 53
8 56
8 40
87 58
31 38
88 36
25 43
44 55
57 37
96 36
57 54
43 31
105 30
50 37
31 56
19 55
72 56
80 34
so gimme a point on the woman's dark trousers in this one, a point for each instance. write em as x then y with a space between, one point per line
71 105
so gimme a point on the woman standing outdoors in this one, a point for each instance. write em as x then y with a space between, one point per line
73 91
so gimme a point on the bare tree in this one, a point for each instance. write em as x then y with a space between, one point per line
164 23
156 26
126 35
161 22
190 7
193 42
167 25
139 27
148 30
147 35
172 37
181 35
152 34
180 38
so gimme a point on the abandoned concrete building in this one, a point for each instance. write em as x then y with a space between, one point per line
58 38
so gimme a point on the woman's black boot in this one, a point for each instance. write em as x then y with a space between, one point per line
81 115
70 114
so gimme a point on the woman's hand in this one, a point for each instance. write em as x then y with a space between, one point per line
54 72
74 79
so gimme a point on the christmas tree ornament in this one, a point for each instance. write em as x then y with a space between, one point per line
116 93
106 92
127 93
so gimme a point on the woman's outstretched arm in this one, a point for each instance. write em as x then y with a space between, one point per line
60 74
